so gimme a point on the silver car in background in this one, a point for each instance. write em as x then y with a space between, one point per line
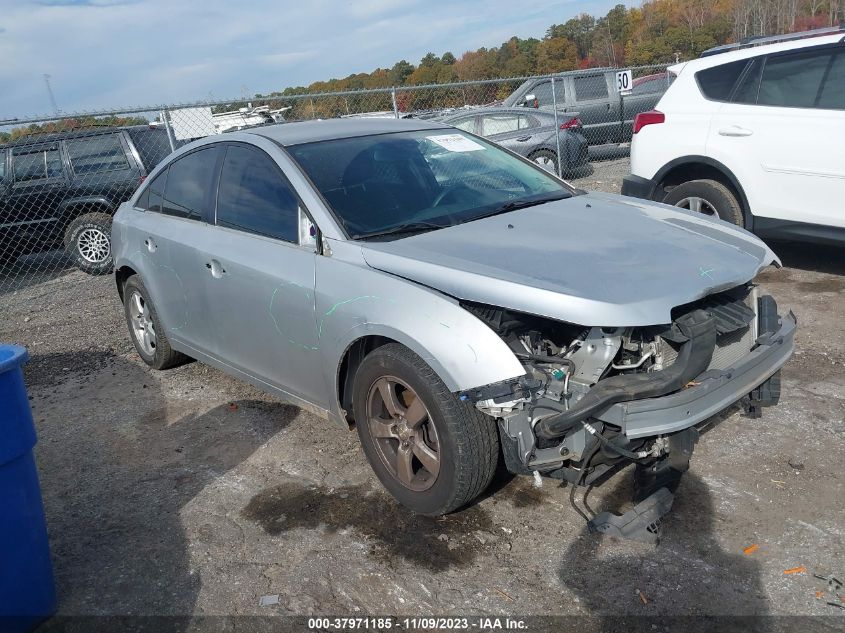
529 133
452 301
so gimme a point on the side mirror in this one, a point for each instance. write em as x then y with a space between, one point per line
531 101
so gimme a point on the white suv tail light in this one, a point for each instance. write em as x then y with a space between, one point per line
652 117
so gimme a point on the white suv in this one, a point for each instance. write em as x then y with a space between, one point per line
752 133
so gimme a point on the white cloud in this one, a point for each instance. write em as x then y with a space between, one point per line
284 60
114 53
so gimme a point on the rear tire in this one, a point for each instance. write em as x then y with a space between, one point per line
545 159
708 197
88 243
145 329
431 451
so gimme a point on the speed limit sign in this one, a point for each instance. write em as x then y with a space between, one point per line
624 81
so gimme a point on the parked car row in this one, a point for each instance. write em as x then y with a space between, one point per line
747 134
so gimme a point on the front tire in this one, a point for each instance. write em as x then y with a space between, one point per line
431 451
145 329
709 197
88 243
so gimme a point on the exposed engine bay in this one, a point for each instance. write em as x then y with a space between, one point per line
553 420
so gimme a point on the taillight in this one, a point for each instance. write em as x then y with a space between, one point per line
571 123
648 118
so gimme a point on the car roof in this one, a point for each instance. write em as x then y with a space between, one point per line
38 139
490 110
718 59
297 133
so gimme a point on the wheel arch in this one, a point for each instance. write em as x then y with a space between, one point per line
347 368
73 208
456 365
693 167
120 276
541 148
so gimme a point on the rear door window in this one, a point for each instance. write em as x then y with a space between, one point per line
832 96
37 165
531 121
590 88
794 80
96 154
749 84
717 83
502 124
190 180
153 195
254 196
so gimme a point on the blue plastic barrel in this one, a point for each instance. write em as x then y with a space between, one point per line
27 590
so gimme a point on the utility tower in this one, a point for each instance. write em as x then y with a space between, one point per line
50 92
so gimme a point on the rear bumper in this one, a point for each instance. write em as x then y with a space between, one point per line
575 150
638 187
713 393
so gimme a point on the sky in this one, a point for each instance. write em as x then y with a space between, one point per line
125 53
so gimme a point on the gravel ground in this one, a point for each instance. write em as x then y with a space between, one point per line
188 492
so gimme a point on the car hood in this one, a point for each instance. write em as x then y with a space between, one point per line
594 259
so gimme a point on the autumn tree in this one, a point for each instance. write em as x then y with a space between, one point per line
555 55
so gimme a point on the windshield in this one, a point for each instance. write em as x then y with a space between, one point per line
513 97
421 180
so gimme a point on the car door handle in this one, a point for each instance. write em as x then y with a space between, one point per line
216 268
522 139
150 244
735 130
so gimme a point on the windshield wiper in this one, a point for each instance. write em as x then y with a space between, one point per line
523 204
400 229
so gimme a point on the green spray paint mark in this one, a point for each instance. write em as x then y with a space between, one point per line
290 339
332 310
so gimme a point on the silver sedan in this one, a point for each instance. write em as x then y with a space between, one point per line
452 301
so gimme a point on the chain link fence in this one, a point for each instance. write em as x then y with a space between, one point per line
63 177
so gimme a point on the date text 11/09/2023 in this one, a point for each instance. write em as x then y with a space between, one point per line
386 623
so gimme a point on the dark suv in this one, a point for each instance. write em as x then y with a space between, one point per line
62 190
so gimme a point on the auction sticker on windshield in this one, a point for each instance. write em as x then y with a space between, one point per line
455 143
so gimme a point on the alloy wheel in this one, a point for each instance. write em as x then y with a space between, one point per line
403 433
699 205
94 245
545 162
143 328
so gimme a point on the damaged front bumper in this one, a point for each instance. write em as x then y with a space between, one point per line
636 421
713 391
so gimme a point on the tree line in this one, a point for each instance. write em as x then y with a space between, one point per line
657 32
70 124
